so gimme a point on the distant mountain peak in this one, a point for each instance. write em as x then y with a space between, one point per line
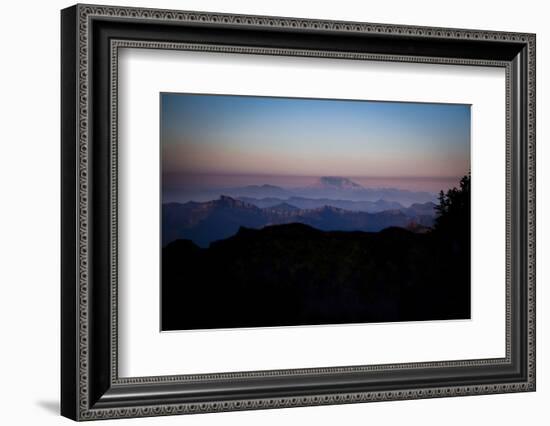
336 182
264 186
260 191
330 208
283 207
428 204
227 201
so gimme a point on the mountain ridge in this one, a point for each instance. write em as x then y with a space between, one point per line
295 274
308 203
219 219
328 187
338 182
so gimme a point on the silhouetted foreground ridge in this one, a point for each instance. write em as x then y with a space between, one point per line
295 275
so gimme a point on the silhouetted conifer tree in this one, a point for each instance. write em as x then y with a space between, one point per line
453 211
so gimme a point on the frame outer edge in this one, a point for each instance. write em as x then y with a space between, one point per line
531 200
83 13
83 206
69 280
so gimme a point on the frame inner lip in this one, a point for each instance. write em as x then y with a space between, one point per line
115 45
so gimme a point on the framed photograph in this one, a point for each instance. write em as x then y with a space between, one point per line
263 212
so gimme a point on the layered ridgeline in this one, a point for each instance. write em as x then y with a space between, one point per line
329 204
215 220
333 188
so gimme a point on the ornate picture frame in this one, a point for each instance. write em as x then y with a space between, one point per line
91 37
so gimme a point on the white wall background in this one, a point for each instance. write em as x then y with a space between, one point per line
29 213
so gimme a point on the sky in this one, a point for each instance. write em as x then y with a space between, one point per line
292 138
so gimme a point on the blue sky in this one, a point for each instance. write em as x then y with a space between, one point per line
244 135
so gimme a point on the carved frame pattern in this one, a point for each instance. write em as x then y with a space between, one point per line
85 13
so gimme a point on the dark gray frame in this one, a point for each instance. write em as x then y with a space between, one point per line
91 38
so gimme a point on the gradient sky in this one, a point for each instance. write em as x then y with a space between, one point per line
245 135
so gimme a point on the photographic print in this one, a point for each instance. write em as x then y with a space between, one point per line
292 211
